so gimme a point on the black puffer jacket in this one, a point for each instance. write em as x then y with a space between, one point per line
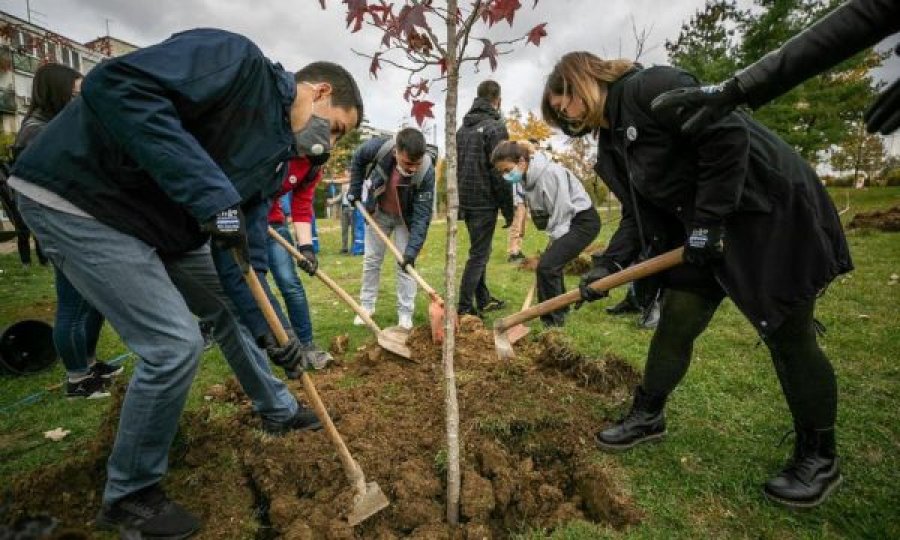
784 241
481 188
852 27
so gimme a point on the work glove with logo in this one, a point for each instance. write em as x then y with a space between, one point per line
705 245
228 231
311 263
700 106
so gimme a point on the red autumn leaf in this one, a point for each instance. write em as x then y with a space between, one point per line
504 9
421 110
410 17
536 33
422 87
490 52
443 64
407 93
375 65
356 10
384 9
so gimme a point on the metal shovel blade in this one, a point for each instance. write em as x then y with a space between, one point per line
516 333
501 342
367 504
393 340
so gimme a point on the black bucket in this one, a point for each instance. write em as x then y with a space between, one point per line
26 347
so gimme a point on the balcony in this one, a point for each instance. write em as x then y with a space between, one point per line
7 100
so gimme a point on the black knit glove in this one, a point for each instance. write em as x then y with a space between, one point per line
705 245
311 264
700 105
407 260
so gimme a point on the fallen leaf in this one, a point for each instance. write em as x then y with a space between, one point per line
864 316
57 434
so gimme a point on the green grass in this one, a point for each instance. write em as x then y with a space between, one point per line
725 420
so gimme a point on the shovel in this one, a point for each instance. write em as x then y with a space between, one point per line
504 326
390 339
436 307
519 331
369 498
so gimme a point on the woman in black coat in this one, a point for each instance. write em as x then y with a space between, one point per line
756 224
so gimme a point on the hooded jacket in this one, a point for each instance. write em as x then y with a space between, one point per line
553 191
783 238
481 188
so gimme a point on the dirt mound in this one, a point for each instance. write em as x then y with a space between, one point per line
577 266
526 431
883 220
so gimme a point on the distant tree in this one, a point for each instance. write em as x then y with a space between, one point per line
708 44
532 127
861 152
578 155
341 154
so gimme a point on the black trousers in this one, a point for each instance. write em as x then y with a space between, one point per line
473 291
584 228
806 376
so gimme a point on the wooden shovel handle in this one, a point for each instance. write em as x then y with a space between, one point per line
351 468
387 241
647 268
330 283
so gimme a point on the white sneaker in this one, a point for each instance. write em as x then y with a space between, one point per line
358 321
405 321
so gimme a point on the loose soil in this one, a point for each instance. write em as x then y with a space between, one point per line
883 220
577 266
526 432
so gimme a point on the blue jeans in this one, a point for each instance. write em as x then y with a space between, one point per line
151 303
283 269
77 328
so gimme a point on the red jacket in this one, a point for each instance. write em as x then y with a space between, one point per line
302 200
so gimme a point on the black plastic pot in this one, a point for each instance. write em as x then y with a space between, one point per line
26 347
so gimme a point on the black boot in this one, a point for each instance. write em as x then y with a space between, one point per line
645 422
627 305
811 475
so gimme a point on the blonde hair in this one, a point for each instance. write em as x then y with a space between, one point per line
586 76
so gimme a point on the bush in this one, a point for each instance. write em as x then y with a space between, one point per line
838 181
890 178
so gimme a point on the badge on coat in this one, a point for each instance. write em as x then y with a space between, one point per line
631 133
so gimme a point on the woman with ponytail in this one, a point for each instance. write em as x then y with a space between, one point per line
756 225
558 204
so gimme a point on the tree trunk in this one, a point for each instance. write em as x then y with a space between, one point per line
453 474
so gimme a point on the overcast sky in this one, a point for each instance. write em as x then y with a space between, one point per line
295 32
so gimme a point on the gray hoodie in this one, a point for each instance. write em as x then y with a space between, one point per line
552 190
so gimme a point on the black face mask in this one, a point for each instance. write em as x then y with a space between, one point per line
314 140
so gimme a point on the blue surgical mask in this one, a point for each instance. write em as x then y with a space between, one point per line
514 176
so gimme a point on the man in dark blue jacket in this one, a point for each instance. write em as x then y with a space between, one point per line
395 181
166 147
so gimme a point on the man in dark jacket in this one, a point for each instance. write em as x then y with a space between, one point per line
166 147
852 27
394 179
482 191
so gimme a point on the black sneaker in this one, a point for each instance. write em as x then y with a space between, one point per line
106 371
92 386
303 420
148 513
494 304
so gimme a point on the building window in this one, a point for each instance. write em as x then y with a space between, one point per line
76 61
66 56
51 52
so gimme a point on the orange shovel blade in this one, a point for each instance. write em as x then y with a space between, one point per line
436 318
